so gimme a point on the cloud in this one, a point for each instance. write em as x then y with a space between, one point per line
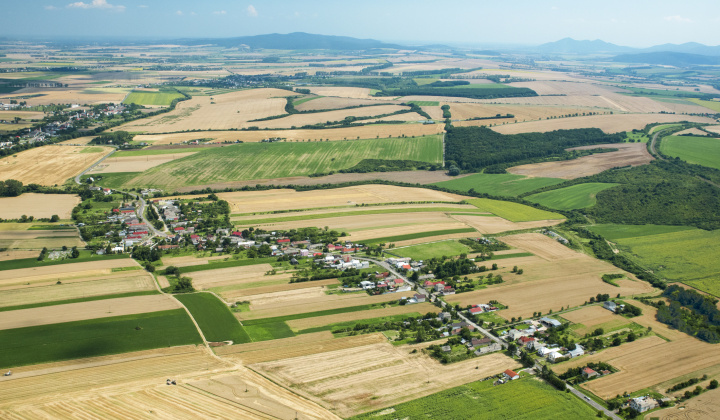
179 13
50 8
96 4
252 11
677 19
220 12
143 6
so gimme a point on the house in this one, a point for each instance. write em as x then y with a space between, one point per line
579 351
475 342
549 322
398 282
610 306
643 404
107 191
544 351
283 241
511 375
448 291
588 373
444 316
554 356
446 349
488 349
367 284
419 298
526 342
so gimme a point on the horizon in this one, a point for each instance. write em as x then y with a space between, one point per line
402 22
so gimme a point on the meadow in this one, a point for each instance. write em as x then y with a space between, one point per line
508 185
570 198
96 337
715 106
432 250
614 232
525 398
698 150
513 212
152 98
252 161
214 318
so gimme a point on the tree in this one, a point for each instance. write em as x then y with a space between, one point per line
74 253
617 341
713 384
150 268
184 285
54 218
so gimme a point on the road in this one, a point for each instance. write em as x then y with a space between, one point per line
652 146
593 404
77 178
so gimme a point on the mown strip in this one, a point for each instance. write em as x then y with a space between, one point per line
33 262
226 264
96 337
417 235
214 318
78 300
353 213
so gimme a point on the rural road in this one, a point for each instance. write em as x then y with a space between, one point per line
77 178
652 146
593 403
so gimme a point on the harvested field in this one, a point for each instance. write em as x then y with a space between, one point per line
300 301
279 284
608 123
369 376
71 95
189 260
391 208
490 225
49 165
634 154
691 131
466 111
301 345
391 231
62 272
299 120
713 128
226 276
704 406
80 141
592 317
364 132
135 163
364 222
38 205
38 239
319 321
219 112
16 255
334 103
341 92
541 246
87 310
259 201
76 288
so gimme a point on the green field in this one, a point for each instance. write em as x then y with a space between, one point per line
418 235
526 398
714 105
437 250
251 161
351 213
698 150
85 256
677 253
513 212
226 264
214 318
425 103
96 337
570 198
662 127
92 150
152 98
150 152
507 185
637 137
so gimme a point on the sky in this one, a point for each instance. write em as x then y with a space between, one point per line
635 23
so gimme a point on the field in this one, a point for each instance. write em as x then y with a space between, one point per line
555 277
698 150
368 377
299 120
96 337
466 111
151 98
513 212
214 318
704 406
323 103
634 154
491 225
260 160
608 123
714 105
136 163
327 320
331 134
38 239
570 198
32 204
480 400
432 250
81 311
675 253
589 318
499 184
48 165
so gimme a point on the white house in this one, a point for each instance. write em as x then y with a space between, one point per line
643 404
544 351
553 356
579 351
511 375
367 284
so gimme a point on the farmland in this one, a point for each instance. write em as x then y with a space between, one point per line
214 318
513 212
259 160
432 250
608 123
698 150
48 165
499 184
483 400
32 204
151 98
38 239
570 198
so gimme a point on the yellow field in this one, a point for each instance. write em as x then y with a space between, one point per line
38 276
74 95
48 165
38 239
608 123
38 205
490 225
704 406
334 103
135 163
342 92
466 111
456 207
593 316
354 224
299 120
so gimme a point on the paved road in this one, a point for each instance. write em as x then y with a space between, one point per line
77 178
593 403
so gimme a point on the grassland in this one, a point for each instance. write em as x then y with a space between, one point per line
613 232
214 318
639 137
525 398
570 198
263 161
698 150
513 212
508 185
96 337
425 103
436 250
417 235
152 98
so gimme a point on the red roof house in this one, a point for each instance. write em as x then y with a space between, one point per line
511 375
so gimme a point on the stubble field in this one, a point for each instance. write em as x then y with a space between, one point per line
38 205
49 165
608 123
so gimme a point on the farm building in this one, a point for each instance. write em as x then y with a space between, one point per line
511 375
579 351
549 322
610 306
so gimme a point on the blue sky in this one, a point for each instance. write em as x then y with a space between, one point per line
638 23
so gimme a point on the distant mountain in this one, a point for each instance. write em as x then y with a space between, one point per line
572 46
668 58
687 48
295 41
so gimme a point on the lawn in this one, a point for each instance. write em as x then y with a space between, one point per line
417 235
698 150
507 185
570 198
438 249
251 161
96 337
513 212
152 98
214 318
677 253
525 398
